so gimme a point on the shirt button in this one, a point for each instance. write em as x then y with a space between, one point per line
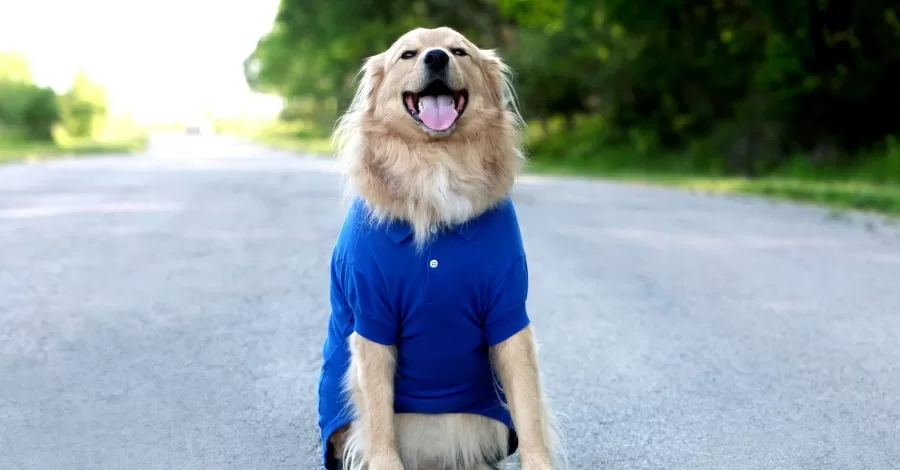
433 263
433 230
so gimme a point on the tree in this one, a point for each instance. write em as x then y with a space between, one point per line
84 107
749 82
26 110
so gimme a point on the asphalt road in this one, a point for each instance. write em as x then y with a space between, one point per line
166 311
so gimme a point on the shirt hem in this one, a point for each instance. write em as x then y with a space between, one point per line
508 325
375 334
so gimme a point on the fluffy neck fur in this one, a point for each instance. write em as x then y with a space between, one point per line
429 182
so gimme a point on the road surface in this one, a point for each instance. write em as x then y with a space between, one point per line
166 311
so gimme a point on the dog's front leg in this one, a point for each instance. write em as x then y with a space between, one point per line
517 366
372 387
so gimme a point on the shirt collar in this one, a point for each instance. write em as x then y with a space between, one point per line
399 230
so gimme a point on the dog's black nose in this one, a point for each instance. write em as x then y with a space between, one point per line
436 60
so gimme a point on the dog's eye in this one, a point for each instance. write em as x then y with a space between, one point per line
459 52
408 54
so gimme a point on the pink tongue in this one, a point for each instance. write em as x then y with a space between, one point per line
437 112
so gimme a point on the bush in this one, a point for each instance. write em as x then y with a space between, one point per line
27 111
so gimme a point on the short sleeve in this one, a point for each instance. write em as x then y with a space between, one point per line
373 318
507 314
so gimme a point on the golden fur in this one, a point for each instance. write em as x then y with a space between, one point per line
404 171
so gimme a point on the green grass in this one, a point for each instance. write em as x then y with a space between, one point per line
313 145
856 194
22 150
295 136
851 193
874 187
871 186
844 195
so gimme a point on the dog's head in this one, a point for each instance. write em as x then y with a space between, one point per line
432 135
441 82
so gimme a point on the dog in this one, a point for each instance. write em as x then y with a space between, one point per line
430 362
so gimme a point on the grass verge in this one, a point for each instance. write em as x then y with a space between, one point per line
851 194
21 150
856 194
317 146
294 136
873 188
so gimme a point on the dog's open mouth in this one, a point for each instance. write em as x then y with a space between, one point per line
437 107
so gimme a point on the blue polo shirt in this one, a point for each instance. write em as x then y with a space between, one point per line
443 307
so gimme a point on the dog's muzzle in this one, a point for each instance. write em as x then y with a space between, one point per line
436 106
436 61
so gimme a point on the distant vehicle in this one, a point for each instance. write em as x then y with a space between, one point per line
199 127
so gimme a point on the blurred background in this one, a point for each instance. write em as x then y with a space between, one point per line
791 98
164 305
100 75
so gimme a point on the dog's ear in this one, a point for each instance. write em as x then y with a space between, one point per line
372 75
498 77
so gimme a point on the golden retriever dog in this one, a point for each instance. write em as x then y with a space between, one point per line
431 362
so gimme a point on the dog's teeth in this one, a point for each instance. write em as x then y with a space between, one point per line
421 105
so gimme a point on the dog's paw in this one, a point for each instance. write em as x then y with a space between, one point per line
385 462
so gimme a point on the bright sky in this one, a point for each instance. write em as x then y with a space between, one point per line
159 59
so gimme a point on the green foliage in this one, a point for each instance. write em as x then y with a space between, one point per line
26 110
30 117
12 150
742 87
83 107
